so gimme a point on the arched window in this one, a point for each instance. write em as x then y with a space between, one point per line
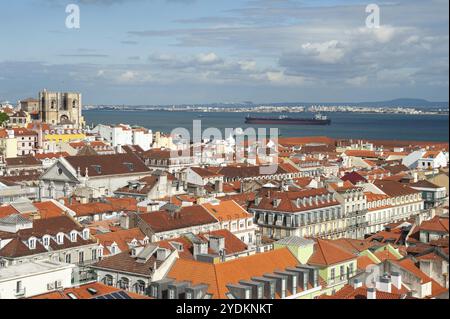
140 287
108 280
124 283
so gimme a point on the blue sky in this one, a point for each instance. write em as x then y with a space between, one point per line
202 51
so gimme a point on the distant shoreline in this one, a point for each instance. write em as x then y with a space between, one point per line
259 111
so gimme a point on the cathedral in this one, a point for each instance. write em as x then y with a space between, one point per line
61 108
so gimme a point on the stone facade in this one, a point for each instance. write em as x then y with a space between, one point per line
60 108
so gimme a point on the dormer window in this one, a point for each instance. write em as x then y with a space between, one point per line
60 238
86 234
46 241
73 236
32 243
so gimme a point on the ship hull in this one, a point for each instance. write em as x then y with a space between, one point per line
287 121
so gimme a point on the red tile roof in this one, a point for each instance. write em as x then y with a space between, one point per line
218 276
227 210
100 165
162 221
327 253
82 292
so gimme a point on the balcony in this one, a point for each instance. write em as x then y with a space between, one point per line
357 213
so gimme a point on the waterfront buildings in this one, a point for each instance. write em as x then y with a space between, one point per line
120 210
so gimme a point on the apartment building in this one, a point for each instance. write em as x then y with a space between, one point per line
57 238
121 135
304 213
233 218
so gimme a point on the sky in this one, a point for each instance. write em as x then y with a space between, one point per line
167 52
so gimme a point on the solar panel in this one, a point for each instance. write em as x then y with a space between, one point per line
116 295
124 295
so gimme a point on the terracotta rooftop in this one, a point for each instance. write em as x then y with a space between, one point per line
218 276
86 292
288 200
100 165
327 253
227 210
162 221
110 204
394 189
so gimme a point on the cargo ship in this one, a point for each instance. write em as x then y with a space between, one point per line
285 120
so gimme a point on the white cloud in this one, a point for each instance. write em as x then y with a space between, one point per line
328 52
208 58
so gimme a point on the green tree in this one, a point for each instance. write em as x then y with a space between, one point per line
3 118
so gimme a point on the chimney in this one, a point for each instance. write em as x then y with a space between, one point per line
371 293
384 284
396 279
217 243
200 247
357 283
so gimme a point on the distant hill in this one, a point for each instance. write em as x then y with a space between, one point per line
403 102
419 103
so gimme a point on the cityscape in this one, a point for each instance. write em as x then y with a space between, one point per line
257 201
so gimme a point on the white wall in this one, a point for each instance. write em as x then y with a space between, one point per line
35 284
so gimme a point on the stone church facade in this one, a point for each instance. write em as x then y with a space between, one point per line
59 108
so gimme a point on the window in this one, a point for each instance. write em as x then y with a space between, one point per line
154 291
32 243
350 270
124 283
108 280
73 236
140 287
19 287
68 258
60 238
81 256
332 275
260 292
46 241
94 254
171 293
